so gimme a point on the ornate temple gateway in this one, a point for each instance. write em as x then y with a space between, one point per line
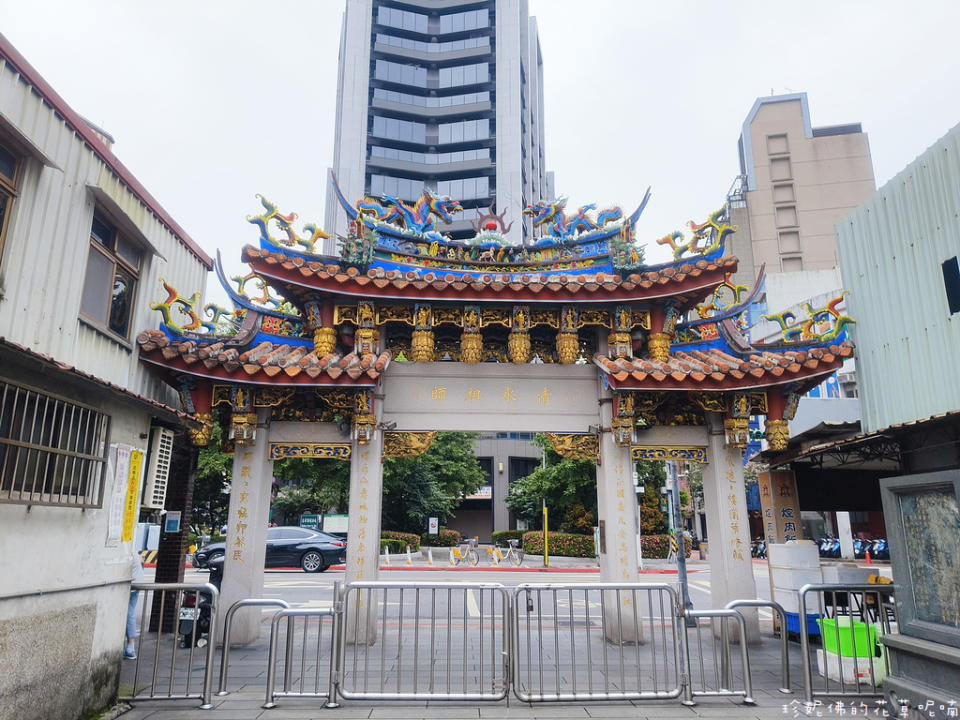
407 332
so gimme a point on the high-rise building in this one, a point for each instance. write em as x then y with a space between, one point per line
442 94
796 183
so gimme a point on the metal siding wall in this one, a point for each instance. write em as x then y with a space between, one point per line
891 249
47 244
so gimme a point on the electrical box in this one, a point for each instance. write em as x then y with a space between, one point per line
158 470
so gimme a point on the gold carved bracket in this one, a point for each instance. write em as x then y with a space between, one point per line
575 446
669 452
283 450
407 444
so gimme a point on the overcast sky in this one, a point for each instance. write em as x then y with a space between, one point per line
211 102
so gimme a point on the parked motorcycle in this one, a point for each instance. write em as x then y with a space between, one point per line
194 623
758 548
880 550
829 547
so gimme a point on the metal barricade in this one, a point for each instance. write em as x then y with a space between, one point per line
720 680
308 670
596 641
428 641
159 650
850 654
228 624
784 639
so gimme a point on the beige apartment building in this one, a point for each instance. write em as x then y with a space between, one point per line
796 183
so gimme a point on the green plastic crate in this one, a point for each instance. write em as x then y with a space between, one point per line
861 631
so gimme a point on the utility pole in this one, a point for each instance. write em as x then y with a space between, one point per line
676 524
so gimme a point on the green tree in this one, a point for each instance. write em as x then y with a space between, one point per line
432 485
653 476
565 484
323 486
211 489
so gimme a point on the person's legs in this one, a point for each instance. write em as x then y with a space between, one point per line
130 650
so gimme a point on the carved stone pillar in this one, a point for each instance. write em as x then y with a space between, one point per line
247 531
617 510
363 527
728 529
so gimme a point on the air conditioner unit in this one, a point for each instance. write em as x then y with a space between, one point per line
158 470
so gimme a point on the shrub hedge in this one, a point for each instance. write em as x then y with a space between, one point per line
397 547
404 539
658 546
563 544
502 537
444 538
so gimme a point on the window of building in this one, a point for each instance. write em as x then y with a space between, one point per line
464 131
402 19
783 193
109 287
464 75
402 188
786 216
430 158
419 45
51 449
399 129
403 74
430 102
790 241
791 264
9 165
951 282
777 144
780 169
465 188
459 22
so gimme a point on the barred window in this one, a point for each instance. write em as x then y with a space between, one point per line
52 451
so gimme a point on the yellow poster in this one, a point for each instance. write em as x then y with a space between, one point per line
130 506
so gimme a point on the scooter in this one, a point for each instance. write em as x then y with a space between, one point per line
194 623
880 550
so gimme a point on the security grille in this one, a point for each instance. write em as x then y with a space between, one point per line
52 451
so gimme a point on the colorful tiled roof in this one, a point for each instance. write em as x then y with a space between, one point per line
289 271
267 363
716 369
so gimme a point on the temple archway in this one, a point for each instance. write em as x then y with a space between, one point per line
408 332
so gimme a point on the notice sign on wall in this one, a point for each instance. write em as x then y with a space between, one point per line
130 504
433 526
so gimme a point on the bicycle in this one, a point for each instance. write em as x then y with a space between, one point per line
469 556
514 554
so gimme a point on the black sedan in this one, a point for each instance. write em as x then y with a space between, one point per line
312 550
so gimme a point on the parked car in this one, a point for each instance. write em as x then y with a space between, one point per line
312 550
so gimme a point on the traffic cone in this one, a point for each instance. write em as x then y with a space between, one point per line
869 562
409 556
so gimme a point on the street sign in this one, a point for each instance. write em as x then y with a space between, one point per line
433 525
171 521
311 522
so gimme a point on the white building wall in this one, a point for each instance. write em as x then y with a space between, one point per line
48 239
891 249
64 588
509 110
